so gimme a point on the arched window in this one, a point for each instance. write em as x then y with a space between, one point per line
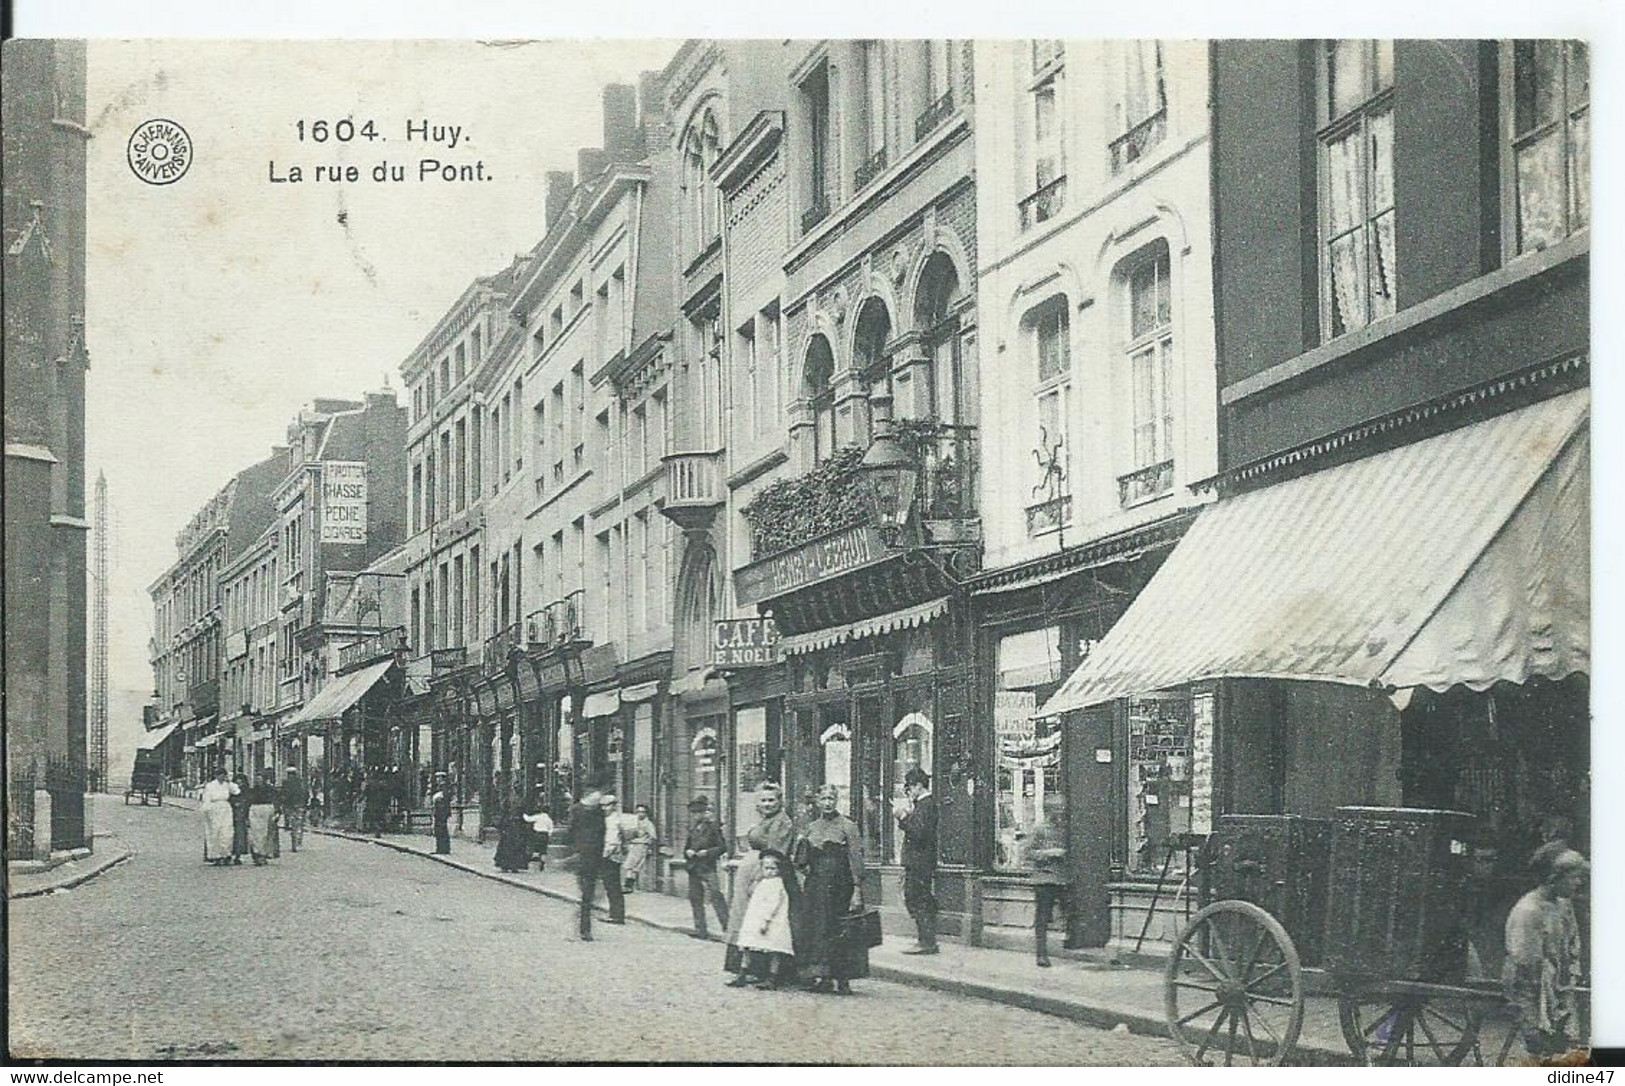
697 605
869 346
935 304
817 378
1147 330
701 145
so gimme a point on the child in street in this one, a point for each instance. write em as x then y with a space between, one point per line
765 934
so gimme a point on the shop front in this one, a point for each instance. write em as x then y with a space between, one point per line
876 681
1407 629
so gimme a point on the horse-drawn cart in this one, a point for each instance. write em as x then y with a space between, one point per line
1379 898
146 779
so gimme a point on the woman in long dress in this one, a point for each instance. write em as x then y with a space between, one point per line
831 854
217 819
640 841
262 833
1544 965
774 831
239 818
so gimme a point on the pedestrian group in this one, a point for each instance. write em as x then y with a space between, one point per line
246 819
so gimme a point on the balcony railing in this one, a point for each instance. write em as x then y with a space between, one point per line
1049 515
933 115
815 214
1044 204
1144 483
694 490
559 623
872 167
499 648
948 468
1132 145
372 647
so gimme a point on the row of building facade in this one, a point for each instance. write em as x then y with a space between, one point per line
1097 293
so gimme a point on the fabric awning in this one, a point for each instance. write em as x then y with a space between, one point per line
340 693
640 692
1461 559
602 703
208 741
908 618
155 738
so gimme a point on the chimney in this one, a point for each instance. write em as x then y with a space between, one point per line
559 185
651 101
590 162
621 122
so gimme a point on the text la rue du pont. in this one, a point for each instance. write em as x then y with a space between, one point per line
422 132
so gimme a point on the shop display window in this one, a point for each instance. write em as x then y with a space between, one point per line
751 769
1028 775
911 748
1161 743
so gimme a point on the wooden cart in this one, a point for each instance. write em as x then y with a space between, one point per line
1380 898
146 779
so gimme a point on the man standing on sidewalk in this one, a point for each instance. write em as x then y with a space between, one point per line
440 811
587 842
293 798
917 816
704 846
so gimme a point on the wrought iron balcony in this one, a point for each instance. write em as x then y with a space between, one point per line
559 623
372 647
1044 204
500 648
933 115
1049 515
948 462
872 167
694 490
816 213
1132 145
1144 483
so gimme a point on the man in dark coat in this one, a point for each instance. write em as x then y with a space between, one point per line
292 800
587 831
918 819
375 801
440 808
702 849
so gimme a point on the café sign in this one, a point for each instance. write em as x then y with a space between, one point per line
821 560
745 642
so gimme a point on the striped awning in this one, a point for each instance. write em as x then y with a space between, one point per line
1460 559
340 693
155 738
906 619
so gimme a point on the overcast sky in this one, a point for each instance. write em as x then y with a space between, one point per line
219 304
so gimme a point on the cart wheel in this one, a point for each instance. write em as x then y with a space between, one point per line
1385 1028
1235 972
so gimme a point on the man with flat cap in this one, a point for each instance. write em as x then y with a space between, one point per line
701 851
916 815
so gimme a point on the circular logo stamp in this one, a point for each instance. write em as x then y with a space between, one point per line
160 152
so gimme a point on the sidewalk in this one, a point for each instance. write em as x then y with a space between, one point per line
65 876
1094 992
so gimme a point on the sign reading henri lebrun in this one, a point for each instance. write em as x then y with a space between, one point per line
344 501
745 642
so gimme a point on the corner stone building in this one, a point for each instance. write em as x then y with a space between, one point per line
45 363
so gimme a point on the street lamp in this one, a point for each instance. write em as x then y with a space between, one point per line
889 477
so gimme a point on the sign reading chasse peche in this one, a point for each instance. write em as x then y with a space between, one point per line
344 501
745 642
833 555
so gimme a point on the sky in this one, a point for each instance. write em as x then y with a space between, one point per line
220 304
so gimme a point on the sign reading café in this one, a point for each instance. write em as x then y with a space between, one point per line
821 560
745 642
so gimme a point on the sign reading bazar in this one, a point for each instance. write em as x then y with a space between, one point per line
745 642
344 501
821 560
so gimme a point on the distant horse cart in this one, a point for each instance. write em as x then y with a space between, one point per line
146 779
1379 898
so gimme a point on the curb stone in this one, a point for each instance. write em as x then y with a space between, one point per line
79 878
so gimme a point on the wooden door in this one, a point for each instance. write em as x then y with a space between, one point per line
1088 750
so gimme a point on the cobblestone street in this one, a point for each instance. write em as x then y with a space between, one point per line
348 951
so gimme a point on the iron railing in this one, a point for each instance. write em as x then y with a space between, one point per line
1044 204
559 623
500 647
1132 145
948 473
816 213
933 115
1146 482
1049 515
872 167
372 647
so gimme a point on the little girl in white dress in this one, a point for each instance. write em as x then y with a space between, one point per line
765 934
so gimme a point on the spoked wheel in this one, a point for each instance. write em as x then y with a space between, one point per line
1385 1027
1234 987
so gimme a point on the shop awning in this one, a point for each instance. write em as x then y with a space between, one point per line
1461 559
155 738
640 692
207 741
602 703
907 618
340 693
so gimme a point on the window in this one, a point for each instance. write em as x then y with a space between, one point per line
496 447
604 582
940 72
462 464
1140 102
640 572
1048 165
417 497
1050 335
445 374
457 607
1170 744
462 361
602 436
701 145
872 55
747 411
428 385
474 607
430 506
538 424
820 369
518 436
476 340
578 298
1356 143
1029 668
1547 120
538 344
556 321
815 104
556 406
476 444
1150 358
770 363
578 416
